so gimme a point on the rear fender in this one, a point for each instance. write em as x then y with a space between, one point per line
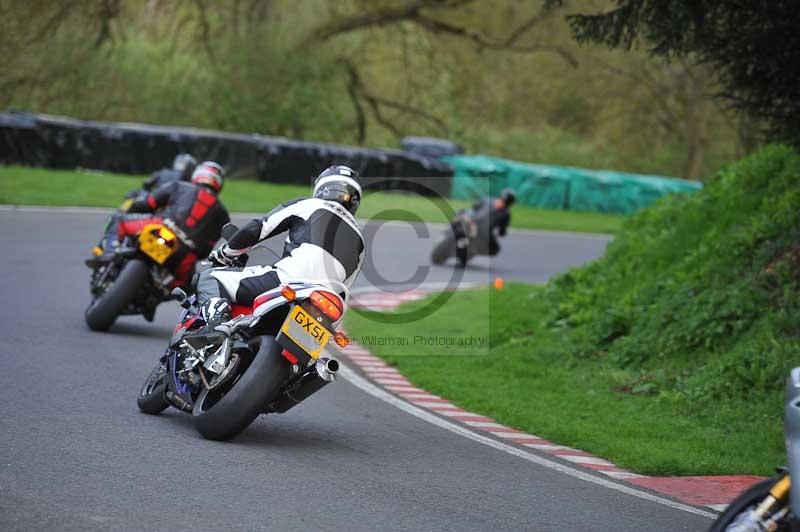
303 291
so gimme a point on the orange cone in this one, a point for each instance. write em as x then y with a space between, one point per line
499 283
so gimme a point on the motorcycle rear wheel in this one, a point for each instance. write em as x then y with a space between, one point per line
748 499
221 414
443 250
103 311
151 398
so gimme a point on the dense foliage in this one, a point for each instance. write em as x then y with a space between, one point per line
698 296
752 46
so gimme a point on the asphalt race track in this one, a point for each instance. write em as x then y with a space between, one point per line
77 455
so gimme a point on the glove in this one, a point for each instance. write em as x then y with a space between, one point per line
219 258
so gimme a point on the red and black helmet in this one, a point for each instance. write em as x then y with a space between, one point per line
210 174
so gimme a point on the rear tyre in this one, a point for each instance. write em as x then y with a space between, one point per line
152 398
750 498
222 414
104 310
443 250
463 255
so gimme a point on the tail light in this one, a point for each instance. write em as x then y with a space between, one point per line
165 236
328 303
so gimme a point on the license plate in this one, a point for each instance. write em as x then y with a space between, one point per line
152 242
306 332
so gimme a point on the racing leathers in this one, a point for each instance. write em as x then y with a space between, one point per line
324 246
491 214
193 212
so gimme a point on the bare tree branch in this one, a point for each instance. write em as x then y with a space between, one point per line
109 10
359 92
352 90
205 29
438 26
413 12
52 23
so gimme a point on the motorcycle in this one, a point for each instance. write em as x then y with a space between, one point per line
460 240
138 274
266 359
772 504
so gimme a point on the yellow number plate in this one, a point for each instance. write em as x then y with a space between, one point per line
152 242
306 332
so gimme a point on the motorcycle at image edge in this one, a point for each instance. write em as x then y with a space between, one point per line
461 240
772 504
135 278
266 359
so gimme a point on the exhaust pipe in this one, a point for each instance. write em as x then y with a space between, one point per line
323 373
327 368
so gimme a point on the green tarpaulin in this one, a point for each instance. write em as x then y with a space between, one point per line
560 187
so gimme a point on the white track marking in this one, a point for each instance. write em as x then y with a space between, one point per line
514 435
383 370
435 404
392 380
718 507
367 387
418 395
456 413
588 460
402 388
485 424
547 447
622 475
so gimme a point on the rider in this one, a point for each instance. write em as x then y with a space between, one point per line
182 169
494 213
191 210
324 244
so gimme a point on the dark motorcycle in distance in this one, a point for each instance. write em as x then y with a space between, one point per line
772 504
267 359
137 275
463 240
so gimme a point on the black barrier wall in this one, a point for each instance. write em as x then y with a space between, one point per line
59 142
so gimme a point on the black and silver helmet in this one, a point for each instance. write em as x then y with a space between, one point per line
340 184
185 164
508 197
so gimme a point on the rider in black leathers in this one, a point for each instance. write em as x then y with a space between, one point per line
192 210
324 245
494 213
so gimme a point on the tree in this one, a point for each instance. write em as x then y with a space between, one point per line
751 46
436 18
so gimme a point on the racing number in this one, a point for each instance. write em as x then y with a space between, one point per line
311 326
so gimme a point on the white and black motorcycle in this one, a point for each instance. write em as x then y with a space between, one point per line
266 359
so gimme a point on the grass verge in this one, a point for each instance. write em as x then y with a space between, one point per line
526 376
35 186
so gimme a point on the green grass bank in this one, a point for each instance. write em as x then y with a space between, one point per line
667 356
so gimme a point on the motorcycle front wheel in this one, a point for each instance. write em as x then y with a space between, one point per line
222 413
151 398
443 250
104 310
735 513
